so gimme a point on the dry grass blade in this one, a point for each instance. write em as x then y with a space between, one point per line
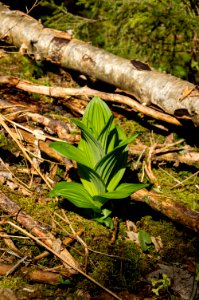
182 182
2 118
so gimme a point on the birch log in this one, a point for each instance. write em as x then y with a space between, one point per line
171 94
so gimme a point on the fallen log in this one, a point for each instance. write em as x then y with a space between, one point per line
175 211
174 96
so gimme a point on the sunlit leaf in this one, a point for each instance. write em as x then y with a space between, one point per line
91 180
112 140
69 151
108 222
101 159
89 145
96 115
107 135
130 188
124 190
76 194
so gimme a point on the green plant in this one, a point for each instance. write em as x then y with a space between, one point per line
102 158
159 284
145 240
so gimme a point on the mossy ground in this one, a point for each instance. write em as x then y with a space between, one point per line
120 265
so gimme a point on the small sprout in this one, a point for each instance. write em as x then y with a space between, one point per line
159 284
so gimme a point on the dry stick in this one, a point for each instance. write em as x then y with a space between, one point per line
24 152
41 256
61 258
33 6
148 167
44 136
187 156
63 92
58 126
164 148
78 238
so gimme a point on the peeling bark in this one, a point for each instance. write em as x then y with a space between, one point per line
173 95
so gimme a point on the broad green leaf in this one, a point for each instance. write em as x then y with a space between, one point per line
121 133
69 151
76 194
112 140
130 188
96 115
107 135
115 138
144 239
89 145
110 165
115 180
122 191
91 180
106 212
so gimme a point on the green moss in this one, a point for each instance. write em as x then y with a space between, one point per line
177 244
117 273
16 64
11 282
185 193
38 211
130 127
7 144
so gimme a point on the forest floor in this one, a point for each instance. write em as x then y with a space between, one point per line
162 264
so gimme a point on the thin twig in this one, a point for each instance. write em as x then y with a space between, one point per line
15 266
182 182
33 6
